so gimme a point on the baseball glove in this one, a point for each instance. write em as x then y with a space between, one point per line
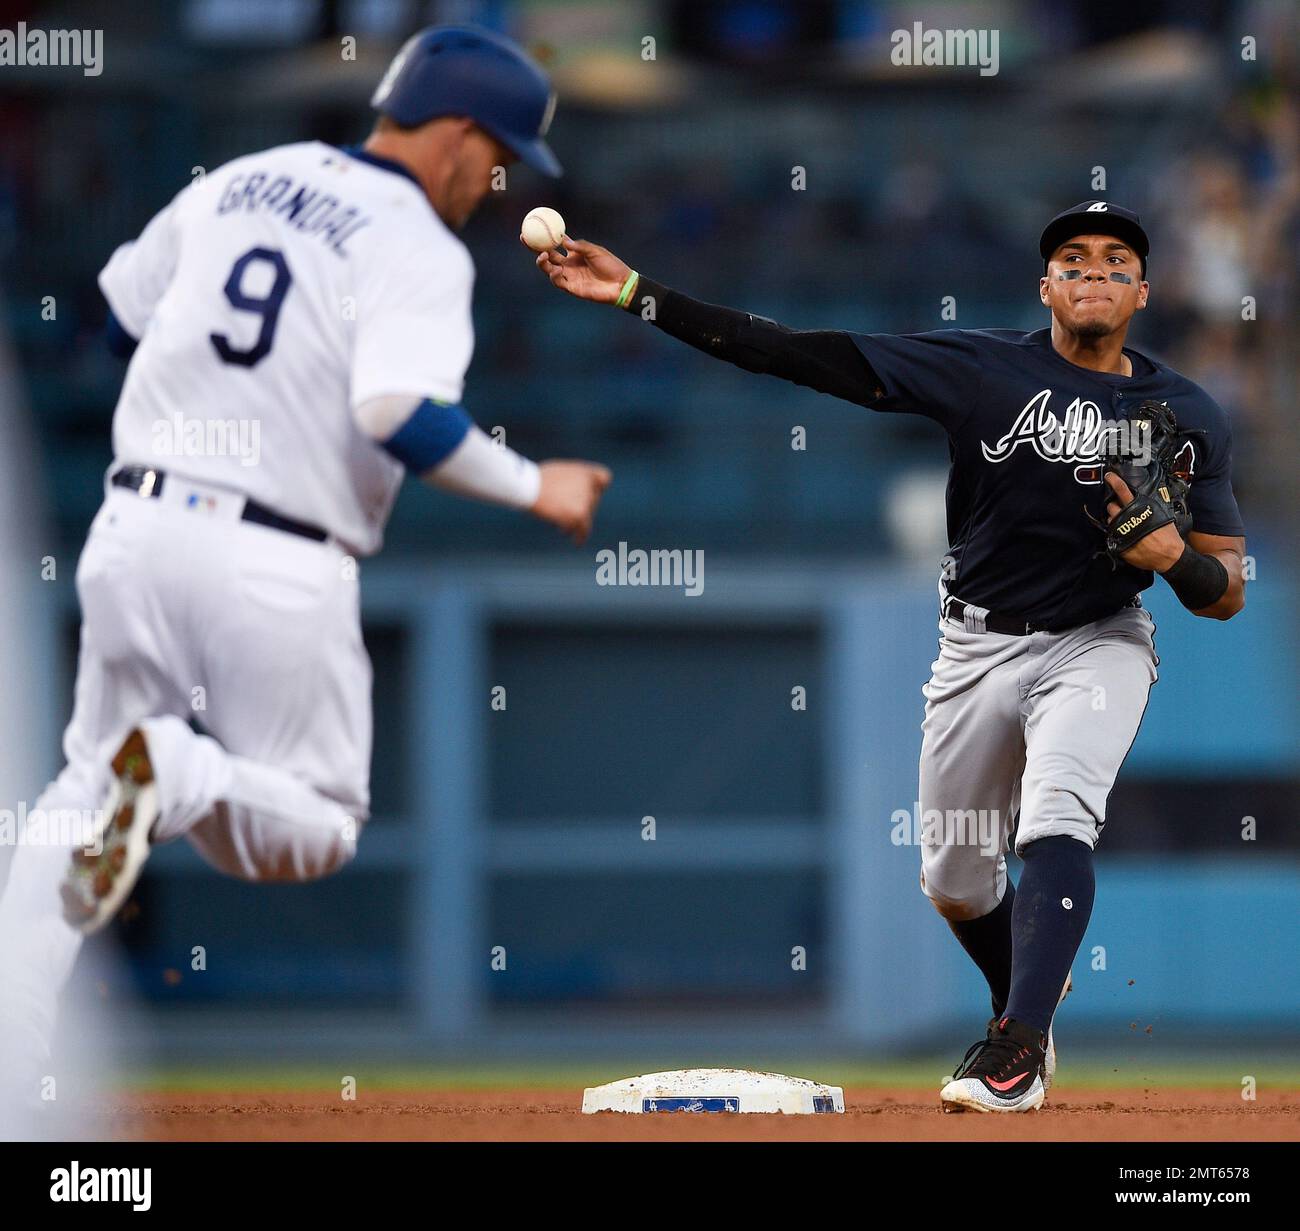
1149 463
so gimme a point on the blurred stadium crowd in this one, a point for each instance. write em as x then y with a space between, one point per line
920 184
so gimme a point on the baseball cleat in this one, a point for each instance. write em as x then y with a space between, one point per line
1002 1072
1049 1053
106 869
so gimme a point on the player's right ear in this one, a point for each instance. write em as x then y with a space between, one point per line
1043 284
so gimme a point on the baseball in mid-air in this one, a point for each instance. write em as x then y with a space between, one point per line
543 229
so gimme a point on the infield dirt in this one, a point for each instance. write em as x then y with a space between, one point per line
871 1114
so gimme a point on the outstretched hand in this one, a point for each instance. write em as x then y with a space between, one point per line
585 270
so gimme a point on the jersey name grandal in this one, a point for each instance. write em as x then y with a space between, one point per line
311 210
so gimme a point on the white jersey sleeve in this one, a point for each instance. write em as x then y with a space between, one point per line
414 331
138 273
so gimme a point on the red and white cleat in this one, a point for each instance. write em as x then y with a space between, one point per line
1002 1072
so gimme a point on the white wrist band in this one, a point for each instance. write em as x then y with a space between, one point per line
483 470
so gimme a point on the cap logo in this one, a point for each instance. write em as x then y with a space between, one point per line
385 87
1097 207
548 115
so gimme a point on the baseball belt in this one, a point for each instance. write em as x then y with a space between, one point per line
149 482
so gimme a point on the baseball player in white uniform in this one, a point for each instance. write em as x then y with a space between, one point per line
301 329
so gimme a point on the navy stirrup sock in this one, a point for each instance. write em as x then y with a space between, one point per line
988 942
1047 925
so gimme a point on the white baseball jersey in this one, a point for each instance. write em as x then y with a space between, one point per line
272 298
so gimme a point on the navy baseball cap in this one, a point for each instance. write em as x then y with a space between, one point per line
1095 218
469 71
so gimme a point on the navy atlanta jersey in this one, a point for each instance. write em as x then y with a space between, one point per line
1026 500
1024 489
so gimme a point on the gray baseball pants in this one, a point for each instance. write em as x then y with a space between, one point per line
1034 725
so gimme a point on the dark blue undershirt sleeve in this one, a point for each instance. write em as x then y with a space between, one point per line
429 436
121 343
821 359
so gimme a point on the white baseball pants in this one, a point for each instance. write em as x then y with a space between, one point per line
188 612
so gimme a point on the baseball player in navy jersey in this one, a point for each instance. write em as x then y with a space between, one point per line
322 295
1046 655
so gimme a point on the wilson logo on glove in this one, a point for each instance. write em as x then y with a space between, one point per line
1158 480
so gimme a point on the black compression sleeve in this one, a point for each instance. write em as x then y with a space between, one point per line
823 359
1199 581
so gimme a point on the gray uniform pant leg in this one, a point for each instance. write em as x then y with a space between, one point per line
972 756
1033 726
1082 714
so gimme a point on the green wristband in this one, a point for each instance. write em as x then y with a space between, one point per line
625 295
